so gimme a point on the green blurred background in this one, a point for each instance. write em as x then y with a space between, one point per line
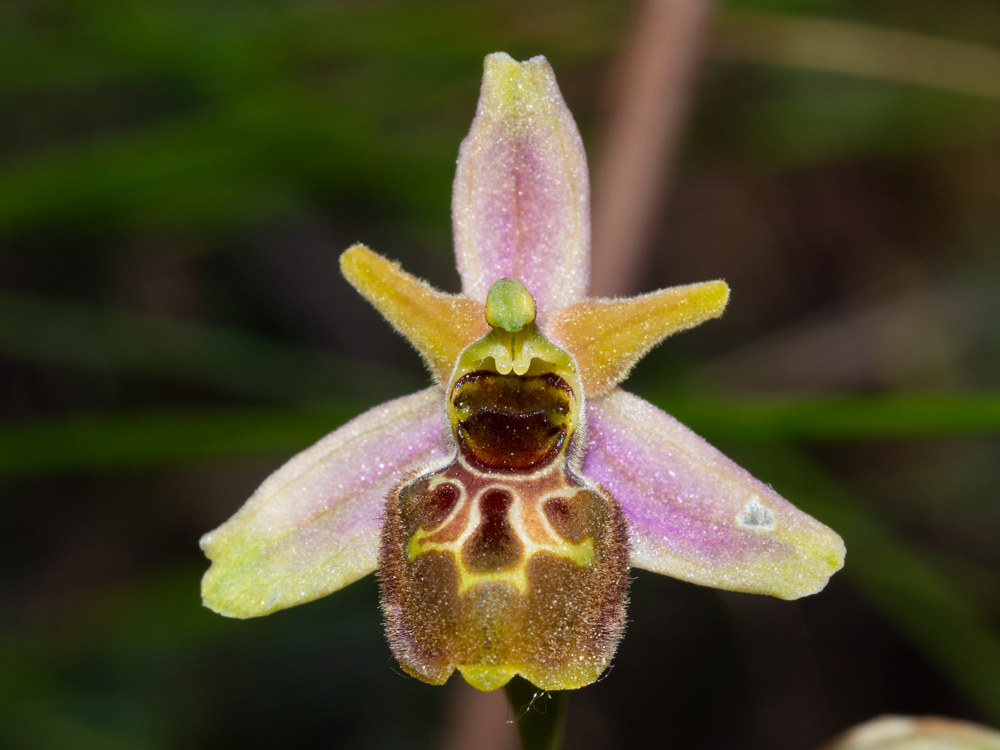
177 180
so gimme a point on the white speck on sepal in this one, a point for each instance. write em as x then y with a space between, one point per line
756 516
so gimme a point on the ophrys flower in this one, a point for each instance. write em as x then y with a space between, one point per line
504 505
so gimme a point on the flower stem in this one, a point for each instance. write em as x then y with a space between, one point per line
540 715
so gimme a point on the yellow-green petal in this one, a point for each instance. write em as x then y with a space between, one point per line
438 325
608 337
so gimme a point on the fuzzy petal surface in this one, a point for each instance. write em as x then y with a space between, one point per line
521 199
609 336
313 526
694 514
438 325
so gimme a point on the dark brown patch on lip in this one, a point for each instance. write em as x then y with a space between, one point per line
511 422
437 504
494 546
568 518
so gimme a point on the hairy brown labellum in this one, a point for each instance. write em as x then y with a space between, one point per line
505 561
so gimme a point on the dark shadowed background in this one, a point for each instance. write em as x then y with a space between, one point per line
177 180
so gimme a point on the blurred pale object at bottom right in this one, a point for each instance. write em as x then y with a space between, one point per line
916 733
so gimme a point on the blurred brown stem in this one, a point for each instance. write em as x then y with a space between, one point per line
478 720
649 92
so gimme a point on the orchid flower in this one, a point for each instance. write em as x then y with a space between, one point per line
503 505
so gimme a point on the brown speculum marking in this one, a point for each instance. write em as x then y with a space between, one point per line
494 546
511 422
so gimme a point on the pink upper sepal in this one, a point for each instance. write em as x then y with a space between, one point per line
521 203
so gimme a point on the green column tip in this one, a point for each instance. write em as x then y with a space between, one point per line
509 306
